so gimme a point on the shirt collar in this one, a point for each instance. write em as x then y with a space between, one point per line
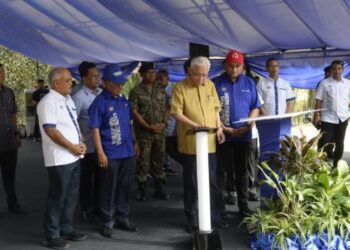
107 94
94 92
58 96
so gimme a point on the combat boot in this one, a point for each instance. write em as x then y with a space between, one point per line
160 193
141 194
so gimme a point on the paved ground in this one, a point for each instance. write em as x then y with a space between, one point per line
161 223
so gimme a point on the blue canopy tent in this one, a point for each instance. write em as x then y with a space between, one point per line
64 33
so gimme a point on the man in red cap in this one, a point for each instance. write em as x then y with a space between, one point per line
239 99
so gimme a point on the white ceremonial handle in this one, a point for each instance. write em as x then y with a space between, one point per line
203 184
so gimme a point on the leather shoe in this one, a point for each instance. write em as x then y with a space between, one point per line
220 224
141 196
127 226
16 209
74 236
107 232
56 243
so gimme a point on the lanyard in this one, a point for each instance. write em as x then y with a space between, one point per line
75 123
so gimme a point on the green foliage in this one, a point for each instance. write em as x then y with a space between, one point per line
21 73
312 198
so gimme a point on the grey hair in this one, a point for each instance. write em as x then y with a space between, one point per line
55 74
200 61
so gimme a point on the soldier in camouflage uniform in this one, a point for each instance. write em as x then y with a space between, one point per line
150 109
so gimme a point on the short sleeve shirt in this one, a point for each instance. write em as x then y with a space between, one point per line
275 94
39 94
199 104
83 99
7 108
58 111
237 100
112 116
335 97
150 102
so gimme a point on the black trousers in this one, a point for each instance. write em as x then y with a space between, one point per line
253 162
233 157
171 148
8 163
334 133
115 187
190 188
37 133
89 183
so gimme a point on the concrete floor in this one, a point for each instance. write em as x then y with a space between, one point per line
162 223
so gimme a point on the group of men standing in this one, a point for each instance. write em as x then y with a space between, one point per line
91 140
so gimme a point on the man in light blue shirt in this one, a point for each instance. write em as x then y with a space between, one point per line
89 185
170 130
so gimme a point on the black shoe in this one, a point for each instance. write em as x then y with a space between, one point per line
253 196
220 224
56 243
88 215
126 226
74 236
161 195
107 232
231 198
16 209
141 196
245 211
170 172
191 229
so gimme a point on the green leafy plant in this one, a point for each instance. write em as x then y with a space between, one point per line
312 198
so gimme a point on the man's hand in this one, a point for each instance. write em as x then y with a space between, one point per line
220 135
77 149
156 128
136 150
102 160
18 141
316 121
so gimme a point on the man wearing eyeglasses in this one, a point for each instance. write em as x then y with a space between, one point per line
239 99
195 104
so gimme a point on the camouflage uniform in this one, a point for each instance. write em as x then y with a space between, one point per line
151 103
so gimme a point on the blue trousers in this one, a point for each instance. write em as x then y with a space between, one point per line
61 199
115 187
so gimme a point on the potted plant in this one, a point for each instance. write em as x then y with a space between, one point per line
311 209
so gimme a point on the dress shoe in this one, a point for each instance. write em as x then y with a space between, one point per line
141 196
126 226
245 211
16 209
231 198
107 232
74 236
56 243
220 224
161 195
253 196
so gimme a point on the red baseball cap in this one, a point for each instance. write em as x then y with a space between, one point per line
234 56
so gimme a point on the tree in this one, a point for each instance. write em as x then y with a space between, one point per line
21 74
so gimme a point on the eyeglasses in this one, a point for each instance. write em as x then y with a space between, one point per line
199 75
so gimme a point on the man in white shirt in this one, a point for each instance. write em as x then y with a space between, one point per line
276 92
333 95
62 148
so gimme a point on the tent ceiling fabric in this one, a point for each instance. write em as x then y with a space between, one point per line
62 32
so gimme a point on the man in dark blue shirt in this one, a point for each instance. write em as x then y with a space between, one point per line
115 144
239 99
